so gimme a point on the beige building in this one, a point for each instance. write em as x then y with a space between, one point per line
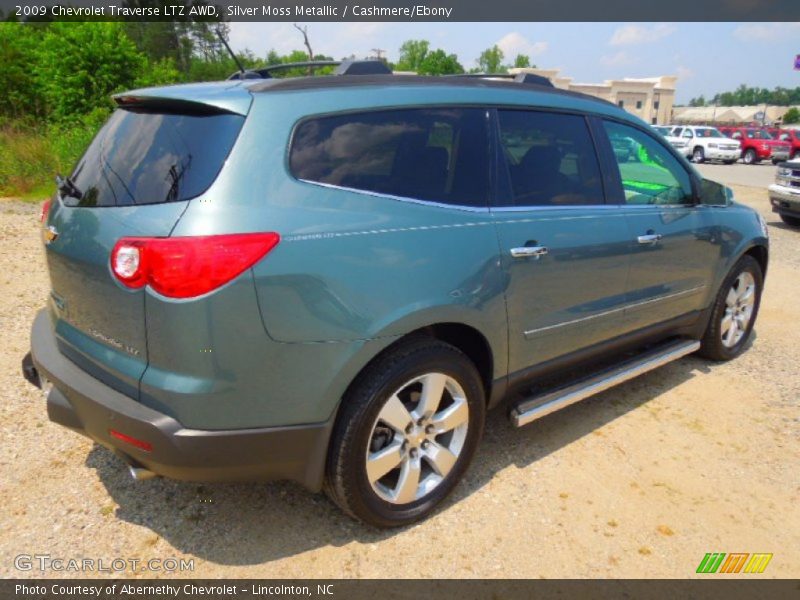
650 99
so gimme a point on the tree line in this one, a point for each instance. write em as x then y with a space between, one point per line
57 71
745 95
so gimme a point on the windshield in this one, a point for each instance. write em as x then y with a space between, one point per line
707 132
150 157
758 134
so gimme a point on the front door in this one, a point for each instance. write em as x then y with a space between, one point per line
673 241
564 249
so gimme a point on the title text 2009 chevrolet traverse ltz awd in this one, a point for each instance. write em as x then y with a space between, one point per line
330 279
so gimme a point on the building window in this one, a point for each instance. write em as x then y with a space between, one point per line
654 120
621 103
656 104
638 104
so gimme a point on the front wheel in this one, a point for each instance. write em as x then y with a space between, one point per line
750 157
792 221
405 434
734 312
698 155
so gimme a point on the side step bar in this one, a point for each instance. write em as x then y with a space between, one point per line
536 407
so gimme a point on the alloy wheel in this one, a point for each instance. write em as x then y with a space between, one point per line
739 304
417 438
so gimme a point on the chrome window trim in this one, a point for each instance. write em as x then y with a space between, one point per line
333 186
693 290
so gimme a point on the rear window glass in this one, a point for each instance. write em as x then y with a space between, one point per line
439 155
149 158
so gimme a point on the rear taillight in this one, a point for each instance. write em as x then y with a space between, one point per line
185 267
44 211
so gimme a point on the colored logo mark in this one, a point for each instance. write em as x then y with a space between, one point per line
735 562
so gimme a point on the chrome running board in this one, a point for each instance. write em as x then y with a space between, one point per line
536 407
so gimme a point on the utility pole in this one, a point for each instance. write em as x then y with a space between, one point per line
378 53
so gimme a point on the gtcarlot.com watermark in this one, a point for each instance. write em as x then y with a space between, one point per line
44 563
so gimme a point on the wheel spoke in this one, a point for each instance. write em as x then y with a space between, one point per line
732 296
451 417
725 325
408 482
432 391
440 458
395 414
748 295
730 338
381 462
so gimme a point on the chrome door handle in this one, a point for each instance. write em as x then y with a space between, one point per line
650 238
526 251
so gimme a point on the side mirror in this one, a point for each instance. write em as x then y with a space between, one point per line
712 193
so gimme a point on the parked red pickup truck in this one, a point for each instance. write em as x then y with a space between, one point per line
758 144
793 137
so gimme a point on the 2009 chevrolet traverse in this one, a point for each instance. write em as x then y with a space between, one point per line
331 279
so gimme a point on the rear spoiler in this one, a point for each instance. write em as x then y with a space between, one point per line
202 99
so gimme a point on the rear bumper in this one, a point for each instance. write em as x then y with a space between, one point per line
82 403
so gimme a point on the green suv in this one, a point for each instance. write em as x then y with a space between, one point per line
331 279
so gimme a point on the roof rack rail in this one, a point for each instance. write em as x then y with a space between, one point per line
524 78
343 67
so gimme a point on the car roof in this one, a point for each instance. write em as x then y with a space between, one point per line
455 81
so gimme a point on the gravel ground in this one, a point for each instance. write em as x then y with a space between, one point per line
640 481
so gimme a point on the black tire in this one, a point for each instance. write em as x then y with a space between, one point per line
698 155
346 481
750 157
791 221
712 346
775 161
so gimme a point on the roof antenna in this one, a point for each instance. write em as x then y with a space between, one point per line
228 48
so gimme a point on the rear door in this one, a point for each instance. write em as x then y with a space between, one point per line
134 180
673 241
563 248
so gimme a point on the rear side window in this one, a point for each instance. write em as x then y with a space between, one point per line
551 159
149 158
439 155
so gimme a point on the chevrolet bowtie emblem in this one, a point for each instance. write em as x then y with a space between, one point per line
50 233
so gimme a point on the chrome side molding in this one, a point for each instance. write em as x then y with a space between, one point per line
536 407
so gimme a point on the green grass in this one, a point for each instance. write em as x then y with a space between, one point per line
31 155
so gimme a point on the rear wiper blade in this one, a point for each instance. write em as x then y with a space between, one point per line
67 187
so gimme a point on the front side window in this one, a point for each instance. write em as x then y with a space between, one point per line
550 159
650 174
434 154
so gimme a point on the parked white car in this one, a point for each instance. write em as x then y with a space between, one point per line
680 144
707 143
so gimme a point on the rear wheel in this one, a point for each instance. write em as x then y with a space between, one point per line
789 220
698 155
750 157
734 312
406 433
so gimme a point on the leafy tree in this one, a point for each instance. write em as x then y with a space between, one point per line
699 101
491 60
412 54
17 55
438 62
522 61
792 116
79 65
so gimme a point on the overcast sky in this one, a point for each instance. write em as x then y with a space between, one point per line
707 57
